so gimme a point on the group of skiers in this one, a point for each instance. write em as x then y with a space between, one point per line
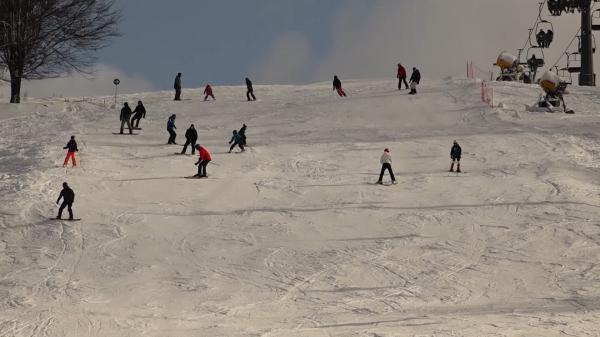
208 91
415 79
133 123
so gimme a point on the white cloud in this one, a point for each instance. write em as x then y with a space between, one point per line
438 36
98 84
288 60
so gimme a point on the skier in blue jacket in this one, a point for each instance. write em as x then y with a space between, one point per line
171 129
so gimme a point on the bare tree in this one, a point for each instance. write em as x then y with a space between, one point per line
49 38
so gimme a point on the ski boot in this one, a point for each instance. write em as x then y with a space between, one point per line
451 168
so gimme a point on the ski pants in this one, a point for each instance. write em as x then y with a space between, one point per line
400 81
128 122
209 95
172 136
249 94
340 92
70 155
178 94
191 142
202 167
387 167
68 205
241 145
135 121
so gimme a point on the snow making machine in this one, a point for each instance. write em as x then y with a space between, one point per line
553 97
510 69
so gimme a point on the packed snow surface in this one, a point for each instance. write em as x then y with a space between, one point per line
292 237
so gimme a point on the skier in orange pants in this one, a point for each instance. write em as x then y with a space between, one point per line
72 148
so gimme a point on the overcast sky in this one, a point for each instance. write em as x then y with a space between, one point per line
301 41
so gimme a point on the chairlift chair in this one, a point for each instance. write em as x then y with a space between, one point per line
574 62
596 19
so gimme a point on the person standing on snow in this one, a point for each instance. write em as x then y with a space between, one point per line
337 86
191 136
250 90
177 87
139 113
242 134
401 76
386 164
203 161
455 154
236 140
208 92
126 117
415 79
171 129
68 197
72 148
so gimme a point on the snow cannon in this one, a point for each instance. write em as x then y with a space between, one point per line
506 60
550 82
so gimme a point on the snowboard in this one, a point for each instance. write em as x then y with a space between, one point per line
384 184
125 134
194 177
183 154
65 219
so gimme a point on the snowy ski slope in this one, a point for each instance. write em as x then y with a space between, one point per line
292 238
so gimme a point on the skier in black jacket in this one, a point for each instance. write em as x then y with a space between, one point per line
191 137
177 87
415 79
68 197
250 91
71 149
242 134
139 113
126 117
455 154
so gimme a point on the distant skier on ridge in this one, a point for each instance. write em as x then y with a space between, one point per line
208 92
250 90
177 87
401 75
455 154
72 148
337 86
126 118
415 79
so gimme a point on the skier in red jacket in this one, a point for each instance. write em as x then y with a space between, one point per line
208 92
203 161
401 76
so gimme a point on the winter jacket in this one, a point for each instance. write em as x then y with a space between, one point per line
249 84
455 152
125 113
191 135
140 111
386 158
171 123
237 138
416 76
208 90
67 194
72 146
401 72
337 83
204 154
177 84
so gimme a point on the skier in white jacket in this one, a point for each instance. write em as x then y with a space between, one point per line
386 162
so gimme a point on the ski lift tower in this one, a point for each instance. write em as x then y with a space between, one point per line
587 76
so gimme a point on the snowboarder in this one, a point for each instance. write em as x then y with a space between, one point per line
242 134
72 148
250 92
203 161
386 164
171 129
68 197
401 76
139 113
415 78
208 92
337 86
236 140
455 154
191 136
177 87
126 117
